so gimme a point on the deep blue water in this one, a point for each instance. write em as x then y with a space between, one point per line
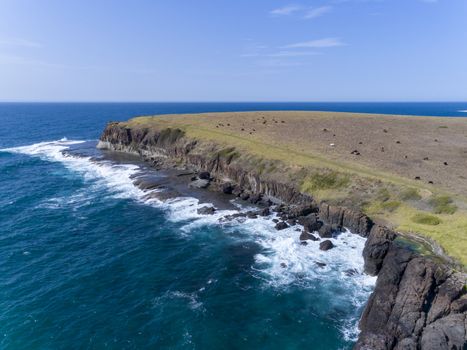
86 263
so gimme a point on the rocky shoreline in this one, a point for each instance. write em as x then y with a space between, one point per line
419 302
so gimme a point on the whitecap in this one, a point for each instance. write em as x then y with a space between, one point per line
283 260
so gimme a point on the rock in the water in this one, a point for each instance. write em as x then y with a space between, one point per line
265 212
201 183
310 222
204 175
252 215
304 236
206 210
326 245
320 264
325 231
281 225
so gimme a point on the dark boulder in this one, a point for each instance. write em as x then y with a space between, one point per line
304 236
281 225
310 222
325 231
326 245
252 215
255 198
206 210
227 188
265 212
204 175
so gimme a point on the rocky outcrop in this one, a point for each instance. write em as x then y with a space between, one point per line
419 302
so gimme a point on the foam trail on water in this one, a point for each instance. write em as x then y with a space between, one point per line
462 111
283 260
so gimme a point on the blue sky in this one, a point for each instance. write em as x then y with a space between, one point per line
233 50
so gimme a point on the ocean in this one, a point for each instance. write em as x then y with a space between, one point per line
86 262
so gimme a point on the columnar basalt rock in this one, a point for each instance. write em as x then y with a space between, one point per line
419 302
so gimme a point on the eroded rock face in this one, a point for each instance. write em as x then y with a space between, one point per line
415 304
376 248
418 303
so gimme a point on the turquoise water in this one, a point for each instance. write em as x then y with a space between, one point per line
87 263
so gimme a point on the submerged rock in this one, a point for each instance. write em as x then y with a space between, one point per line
206 210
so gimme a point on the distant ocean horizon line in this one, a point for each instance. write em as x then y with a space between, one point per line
239 101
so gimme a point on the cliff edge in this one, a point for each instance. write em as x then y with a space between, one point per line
420 299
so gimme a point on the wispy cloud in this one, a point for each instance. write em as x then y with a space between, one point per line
286 10
293 54
317 12
19 42
319 43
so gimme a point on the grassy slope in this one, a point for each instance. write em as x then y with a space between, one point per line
406 204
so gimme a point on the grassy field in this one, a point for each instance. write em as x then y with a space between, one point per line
385 189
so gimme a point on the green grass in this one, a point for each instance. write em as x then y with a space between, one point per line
410 194
443 205
426 219
390 205
325 181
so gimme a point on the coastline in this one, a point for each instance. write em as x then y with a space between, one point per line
439 296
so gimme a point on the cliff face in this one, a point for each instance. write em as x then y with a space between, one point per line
419 302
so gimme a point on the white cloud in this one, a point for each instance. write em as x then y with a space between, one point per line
19 42
319 43
293 54
286 10
317 12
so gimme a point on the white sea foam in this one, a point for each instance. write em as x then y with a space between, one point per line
283 260
462 111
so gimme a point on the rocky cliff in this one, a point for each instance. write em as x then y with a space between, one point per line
419 302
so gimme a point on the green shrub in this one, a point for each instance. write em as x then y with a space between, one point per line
443 205
391 205
325 181
426 219
410 194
